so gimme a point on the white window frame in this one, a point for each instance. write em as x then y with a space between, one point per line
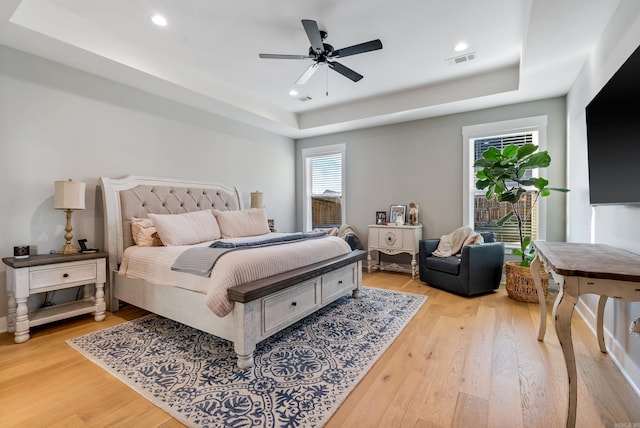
486 130
311 152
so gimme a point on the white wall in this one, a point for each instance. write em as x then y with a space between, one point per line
614 225
421 162
58 123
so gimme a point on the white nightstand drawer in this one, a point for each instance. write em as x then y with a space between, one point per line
61 274
390 239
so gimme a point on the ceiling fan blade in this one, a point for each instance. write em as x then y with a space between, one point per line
313 33
373 45
279 56
345 71
307 74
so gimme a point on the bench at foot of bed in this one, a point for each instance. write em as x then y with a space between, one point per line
264 307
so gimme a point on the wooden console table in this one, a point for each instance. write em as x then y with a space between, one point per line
584 269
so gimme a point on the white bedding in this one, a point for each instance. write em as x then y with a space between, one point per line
153 264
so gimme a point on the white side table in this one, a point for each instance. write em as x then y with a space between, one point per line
393 240
48 272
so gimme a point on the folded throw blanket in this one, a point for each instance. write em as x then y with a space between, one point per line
201 260
452 243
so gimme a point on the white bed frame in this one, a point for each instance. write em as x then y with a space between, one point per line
261 308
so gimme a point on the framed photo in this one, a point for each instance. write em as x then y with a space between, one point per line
396 211
381 217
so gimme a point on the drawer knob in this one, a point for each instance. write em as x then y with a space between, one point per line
294 303
340 282
65 275
390 238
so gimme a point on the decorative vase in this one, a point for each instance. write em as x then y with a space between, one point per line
520 285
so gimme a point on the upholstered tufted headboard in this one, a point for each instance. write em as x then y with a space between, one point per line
136 196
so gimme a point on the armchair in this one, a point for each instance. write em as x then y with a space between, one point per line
477 270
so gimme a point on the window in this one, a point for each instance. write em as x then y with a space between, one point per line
482 214
323 187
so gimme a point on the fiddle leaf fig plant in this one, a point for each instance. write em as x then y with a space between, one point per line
504 177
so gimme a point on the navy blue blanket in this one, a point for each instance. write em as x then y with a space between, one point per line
268 241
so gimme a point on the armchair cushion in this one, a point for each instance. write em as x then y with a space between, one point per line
444 264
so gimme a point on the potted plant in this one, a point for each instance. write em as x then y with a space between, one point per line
506 176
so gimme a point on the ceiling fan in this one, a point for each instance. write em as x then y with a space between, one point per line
323 53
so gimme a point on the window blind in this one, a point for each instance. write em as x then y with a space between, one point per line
326 174
326 190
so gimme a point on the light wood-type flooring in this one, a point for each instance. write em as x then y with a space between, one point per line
460 362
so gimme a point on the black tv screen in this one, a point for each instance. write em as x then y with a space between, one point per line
613 137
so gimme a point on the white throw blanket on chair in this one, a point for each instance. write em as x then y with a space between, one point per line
452 243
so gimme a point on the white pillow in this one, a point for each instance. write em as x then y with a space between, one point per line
186 229
144 233
236 224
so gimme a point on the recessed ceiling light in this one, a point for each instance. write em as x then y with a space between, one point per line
159 20
293 92
461 46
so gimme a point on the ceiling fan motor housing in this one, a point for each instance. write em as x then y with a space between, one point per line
322 56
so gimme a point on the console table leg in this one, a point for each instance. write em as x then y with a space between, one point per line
600 323
100 304
22 321
414 266
562 312
535 275
11 312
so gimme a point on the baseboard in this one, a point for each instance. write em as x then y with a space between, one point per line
617 353
3 325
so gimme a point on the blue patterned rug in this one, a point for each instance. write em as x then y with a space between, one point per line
301 376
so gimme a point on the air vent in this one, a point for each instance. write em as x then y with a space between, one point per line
305 98
461 58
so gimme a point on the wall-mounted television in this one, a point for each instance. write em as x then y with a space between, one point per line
613 137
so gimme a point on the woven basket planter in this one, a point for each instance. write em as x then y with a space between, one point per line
520 285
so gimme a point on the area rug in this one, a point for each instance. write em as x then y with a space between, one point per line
301 375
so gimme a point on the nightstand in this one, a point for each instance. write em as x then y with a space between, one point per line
48 272
393 240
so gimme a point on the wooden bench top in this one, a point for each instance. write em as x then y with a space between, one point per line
262 287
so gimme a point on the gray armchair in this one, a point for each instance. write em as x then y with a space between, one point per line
477 270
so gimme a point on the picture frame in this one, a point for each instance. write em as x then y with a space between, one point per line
396 211
381 217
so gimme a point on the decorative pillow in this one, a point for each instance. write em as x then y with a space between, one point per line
236 224
144 233
186 229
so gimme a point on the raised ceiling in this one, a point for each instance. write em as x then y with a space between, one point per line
207 55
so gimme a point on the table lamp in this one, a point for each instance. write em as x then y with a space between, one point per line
256 200
68 196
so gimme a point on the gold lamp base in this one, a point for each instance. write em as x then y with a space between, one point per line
68 248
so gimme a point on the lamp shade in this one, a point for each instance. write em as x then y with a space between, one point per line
256 200
69 195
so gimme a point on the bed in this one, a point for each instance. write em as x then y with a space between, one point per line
258 306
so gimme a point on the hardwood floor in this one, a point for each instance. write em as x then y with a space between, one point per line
461 362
